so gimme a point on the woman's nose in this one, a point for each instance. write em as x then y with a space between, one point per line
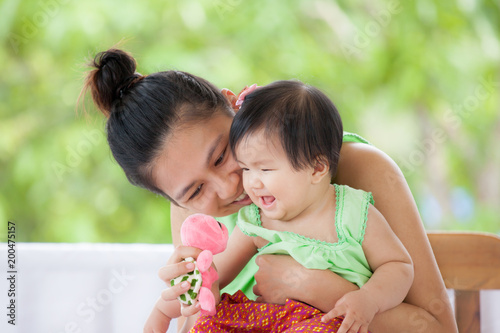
227 185
228 179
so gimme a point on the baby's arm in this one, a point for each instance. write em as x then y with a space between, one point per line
391 264
240 249
388 286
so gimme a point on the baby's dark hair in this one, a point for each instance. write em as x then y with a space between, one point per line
143 111
303 118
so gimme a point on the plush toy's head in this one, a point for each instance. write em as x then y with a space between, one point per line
204 232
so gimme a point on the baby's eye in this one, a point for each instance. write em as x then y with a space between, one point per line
221 158
244 169
196 192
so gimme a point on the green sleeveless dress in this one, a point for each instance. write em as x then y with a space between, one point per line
345 257
245 279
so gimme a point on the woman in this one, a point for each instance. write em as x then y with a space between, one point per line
169 133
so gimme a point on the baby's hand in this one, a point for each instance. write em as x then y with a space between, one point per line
358 309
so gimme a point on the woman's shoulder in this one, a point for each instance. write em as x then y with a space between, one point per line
361 164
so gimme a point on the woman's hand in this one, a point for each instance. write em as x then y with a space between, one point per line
280 277
175 267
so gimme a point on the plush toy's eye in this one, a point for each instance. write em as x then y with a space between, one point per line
220 225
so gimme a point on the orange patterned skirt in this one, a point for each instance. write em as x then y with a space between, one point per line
237 313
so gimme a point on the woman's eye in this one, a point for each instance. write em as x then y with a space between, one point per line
244 169
196 192
221 158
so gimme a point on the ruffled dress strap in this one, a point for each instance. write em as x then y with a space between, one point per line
351 215
353 137
250 224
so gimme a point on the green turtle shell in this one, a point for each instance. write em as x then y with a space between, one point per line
194 278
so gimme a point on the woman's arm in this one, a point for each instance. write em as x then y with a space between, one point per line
365 167
177 216
162 314
281 277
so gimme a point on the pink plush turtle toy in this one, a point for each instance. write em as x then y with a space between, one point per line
204 232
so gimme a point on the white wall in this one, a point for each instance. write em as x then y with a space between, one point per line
85 287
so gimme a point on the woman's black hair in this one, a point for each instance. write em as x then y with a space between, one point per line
143 111
303 118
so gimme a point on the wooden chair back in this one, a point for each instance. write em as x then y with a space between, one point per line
468 262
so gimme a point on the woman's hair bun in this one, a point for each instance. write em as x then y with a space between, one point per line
111 70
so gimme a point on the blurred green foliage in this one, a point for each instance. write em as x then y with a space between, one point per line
419 79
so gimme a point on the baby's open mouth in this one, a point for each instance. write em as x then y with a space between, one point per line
267 200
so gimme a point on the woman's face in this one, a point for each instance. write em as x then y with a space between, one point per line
197 170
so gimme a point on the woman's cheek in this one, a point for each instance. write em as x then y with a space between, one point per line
205 204
246 185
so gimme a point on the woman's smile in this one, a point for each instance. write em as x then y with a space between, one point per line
243 199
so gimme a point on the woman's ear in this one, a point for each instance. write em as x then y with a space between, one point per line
321 169
231 97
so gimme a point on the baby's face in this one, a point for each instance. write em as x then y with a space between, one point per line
269 179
